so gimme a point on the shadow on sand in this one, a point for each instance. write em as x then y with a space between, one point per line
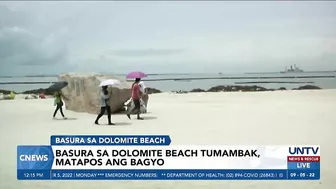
69 118
149 117
117 124
122 123
124 113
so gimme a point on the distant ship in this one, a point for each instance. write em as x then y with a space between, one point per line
292 69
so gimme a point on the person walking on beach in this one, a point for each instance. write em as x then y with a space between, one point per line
104 106
59 103
136 95
144 92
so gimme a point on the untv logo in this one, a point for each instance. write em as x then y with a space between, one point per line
304 150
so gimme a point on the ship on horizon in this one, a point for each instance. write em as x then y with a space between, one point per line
292 69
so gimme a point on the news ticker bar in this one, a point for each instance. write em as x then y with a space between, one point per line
256 174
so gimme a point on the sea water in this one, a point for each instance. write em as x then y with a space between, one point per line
195 82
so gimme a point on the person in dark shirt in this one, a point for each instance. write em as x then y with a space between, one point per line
136 95
104 106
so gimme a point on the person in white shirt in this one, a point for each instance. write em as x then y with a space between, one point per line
104 106
143 89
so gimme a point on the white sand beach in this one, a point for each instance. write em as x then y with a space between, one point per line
237 118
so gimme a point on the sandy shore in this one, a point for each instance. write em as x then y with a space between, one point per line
281 117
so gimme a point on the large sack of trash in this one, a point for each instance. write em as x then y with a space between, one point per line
31 97
11 96
130 105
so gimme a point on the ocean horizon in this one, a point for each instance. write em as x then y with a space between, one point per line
188 81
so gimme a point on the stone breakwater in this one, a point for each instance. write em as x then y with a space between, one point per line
219 88
246 88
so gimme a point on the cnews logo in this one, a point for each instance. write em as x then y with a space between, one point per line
33 157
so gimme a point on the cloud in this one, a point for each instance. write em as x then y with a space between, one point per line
146 52
160 36
21 46
10 18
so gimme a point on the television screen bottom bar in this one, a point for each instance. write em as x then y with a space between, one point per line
255 174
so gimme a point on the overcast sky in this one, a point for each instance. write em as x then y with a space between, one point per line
166 37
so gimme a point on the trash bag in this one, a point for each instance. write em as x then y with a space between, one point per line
28 97
42 96
130 105
12 95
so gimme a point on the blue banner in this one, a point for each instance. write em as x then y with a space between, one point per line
303 165
36 162
126 140
255 174
34 157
